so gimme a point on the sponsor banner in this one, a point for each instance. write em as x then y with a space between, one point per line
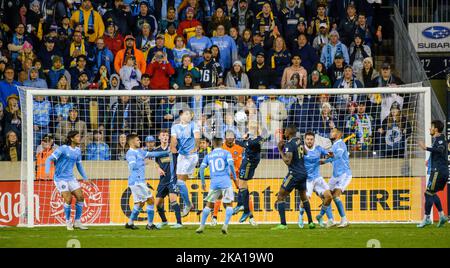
49 203
366 199
430 37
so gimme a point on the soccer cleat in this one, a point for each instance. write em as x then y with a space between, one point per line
161 225
330 224
442 221
343 224
424 223
69 226
237 209
279 227
151 227
320 221
213 221
79 225
225 229
186 211
244 217
200 229
253 222
131 226
177 226
311 225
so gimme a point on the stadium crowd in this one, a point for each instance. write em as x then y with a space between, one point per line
194 44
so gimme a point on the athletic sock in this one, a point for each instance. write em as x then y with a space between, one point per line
150 214
67 211
441 214
339 206
429 201
134 214
228 214
302 211
239 199
216 208
307 208
281 210
437 202
245 198
329 213
176 208
323 210
184 193
78 210
205 215
162 214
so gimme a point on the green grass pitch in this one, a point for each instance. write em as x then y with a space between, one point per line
240 236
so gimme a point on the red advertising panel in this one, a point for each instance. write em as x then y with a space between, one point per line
10 202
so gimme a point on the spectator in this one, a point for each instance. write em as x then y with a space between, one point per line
347 26
192 6
273 113
121 15
211 71
150 143
387 79
63 83
76 71
198 44
279 58
26 53
56 71
289 16
177 80
361 125
295 68
358 52
227 48
145 17
333 47
102 56
260 75
218 18
98 150
48 52
245 17
83 81
119 150
171 19
145 114
91 20
2 69
231 11
62 109
320 21
170 36
160 47
237 78
230 126
72 123
301 113
364 30
43 151
102 78
324 79
347 81
322 38
186 29
8 87
130 74
164 115
130 50
368 74
18 39
179 51
123 117
112 37
267 20
307 53
336 70
145 39
34 80
2 128
325 121
160 71
13 115
314 80
12 148
78 47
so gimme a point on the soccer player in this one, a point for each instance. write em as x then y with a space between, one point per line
210 70
437 172
221 165
136 181
184 143
315 182
65 158
292 152
166 186
252 156
342 174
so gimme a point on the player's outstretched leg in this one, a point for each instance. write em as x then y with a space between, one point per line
215 213
150 214
79 210
429 200
176 208
307 207
161 213
205 214
442 218
134 214
281 206
67 213
228 214
340 208
301 225
184 193
327 197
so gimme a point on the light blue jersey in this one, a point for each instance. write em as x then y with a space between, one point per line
340 160
198 45
65 158
185 135
312 161
220 164
227 48
178 56
136 164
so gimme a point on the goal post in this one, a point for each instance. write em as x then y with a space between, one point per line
389 173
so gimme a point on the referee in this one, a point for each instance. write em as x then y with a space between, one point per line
437 171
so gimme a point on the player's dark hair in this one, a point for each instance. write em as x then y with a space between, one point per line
292 128
164 130
217 142
70 136
310 133
438 124
131 137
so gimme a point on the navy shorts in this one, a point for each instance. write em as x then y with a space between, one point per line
292 182
437 181
247 170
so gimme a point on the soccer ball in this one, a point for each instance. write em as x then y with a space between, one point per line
240 117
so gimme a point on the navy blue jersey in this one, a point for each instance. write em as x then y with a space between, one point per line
164 164
252 146
438 160
297 166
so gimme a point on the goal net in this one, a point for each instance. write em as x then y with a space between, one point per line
381 128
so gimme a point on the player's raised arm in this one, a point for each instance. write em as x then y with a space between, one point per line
156 154
202 172
285 152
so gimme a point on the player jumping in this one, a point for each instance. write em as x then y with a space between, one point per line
65 158
292 154
437 172
221 165
184 145
136 181
342 174
166 186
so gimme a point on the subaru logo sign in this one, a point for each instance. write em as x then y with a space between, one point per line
436 32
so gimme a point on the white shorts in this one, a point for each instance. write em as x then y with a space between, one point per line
318 185
226 194
140 192
340 182
186 164
67 186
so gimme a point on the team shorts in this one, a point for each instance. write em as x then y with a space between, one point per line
247 171
67 186
164 190
140 192
436 182
318 185
226 194
340 182
186 164
292 182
